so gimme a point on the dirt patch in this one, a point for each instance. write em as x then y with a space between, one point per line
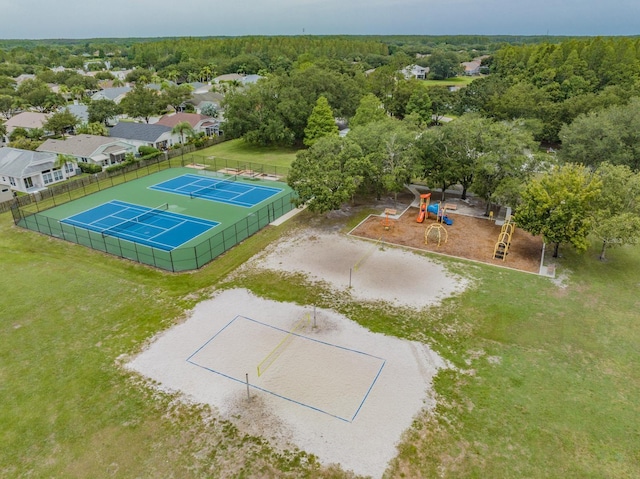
468 237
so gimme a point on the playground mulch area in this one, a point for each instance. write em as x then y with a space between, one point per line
469 237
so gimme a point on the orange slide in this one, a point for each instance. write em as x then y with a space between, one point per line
424 203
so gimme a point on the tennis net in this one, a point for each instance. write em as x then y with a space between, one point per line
135 220
219 185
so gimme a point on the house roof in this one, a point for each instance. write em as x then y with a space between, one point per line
471 66
211 97
81 145
172 120
250 79
80 110
228 77
22 163
26 119
113 93
138 131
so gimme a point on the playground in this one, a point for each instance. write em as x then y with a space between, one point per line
469 235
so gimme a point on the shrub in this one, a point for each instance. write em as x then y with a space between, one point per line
89 168
147 152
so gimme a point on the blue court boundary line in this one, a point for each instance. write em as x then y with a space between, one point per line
384 361
136 239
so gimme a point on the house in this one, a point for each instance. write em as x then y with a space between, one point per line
5 193
143 134
92 149
415 71
25 76
114 94
29 120
30 171
250 79
199 100
474 67
471 68
229 77
199 123
79 110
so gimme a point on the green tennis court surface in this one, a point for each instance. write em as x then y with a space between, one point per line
179 235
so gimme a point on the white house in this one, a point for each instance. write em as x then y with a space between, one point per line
93 149
30 171
415 71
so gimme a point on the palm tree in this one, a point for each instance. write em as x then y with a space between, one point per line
77 91
182 128
62 160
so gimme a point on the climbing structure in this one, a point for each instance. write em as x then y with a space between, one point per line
504 240
437 232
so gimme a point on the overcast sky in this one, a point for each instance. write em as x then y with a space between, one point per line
155 18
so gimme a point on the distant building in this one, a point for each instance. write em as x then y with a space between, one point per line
415 71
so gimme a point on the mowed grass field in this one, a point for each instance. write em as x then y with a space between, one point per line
545 380
239 150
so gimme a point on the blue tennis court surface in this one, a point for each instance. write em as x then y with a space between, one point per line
228 191
154 227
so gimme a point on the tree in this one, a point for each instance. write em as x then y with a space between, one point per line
443 65
94 128
6 105
320 123
61 121
389 155
560 205
420 105
141 102
209 109
617 211
506 164
435 167
460 144
101 111
611 134
322 176
442 102
63 160
182 128
176 95
370 110
36 93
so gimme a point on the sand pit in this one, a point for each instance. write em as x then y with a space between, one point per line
337 390
376 272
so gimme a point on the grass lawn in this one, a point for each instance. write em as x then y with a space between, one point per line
456 81
546 382
241 151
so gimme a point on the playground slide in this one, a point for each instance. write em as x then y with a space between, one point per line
420 217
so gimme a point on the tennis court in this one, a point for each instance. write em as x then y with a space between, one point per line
156 227
314 374
224 190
